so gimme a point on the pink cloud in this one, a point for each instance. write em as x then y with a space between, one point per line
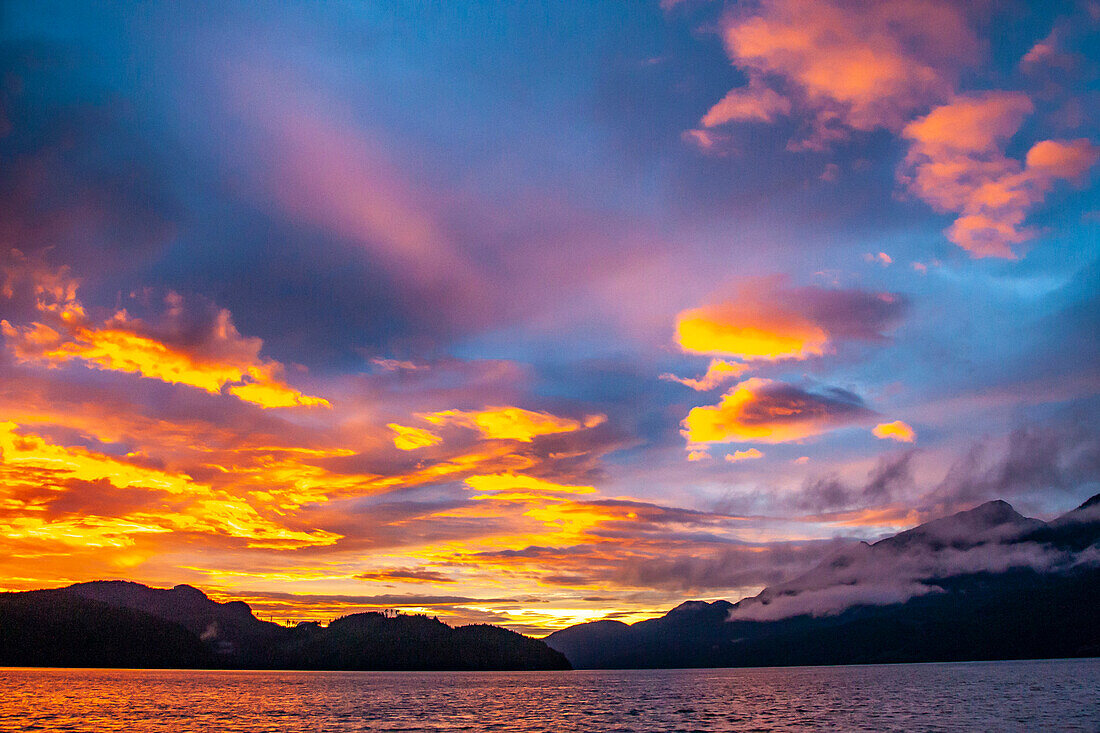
856 66
744 455
325 170
862 66
754 103
957 163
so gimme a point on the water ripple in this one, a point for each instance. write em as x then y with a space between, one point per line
1003 696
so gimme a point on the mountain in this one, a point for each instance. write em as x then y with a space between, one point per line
228 629
986 583
125 624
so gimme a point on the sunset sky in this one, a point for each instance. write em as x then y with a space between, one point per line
529 313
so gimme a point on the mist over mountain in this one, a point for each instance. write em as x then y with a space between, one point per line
125 624
987 583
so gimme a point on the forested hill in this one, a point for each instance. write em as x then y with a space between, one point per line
120 624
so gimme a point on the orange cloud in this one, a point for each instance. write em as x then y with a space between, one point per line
407 438
718 371
224 361
761 410
768 321
753 336
969 124
744 455
897 430
957 163
511 423
1066 159
511 482
31 460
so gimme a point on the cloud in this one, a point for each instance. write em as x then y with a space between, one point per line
988 539
406 438
511 423
766 320
319 167
897 430
199 349
890 479
709 142
895 65
725 329
393 365
755 103
744 455
957 163
718 371
762 410
512 486
1054 457
729 570
1070 160
179 504
847 66
407 575
1048 53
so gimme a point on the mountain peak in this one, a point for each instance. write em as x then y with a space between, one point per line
190 591
992 521
1089 503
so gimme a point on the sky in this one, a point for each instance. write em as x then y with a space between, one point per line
535 313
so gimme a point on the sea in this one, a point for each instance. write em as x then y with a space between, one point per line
1048 695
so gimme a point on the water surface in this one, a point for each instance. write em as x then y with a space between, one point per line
1061 695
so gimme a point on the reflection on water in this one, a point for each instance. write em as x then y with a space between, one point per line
1041 695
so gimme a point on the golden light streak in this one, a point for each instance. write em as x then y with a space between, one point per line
511 423
407 438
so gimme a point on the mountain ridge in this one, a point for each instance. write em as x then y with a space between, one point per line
986 583
119 623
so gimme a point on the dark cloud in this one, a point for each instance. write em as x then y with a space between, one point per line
415 575
727 570
1044 460
891 478
385 600
766 411
851 314
76 177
